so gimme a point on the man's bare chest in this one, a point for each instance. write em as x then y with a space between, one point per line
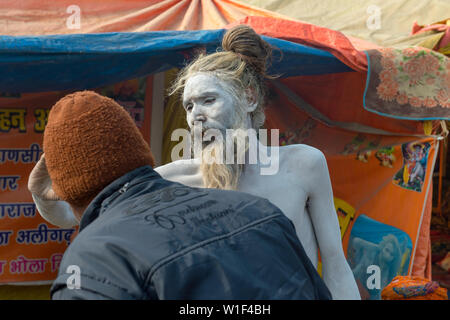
282 189
289 197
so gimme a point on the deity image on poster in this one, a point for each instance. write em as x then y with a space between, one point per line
130 94
298 134
354 145
365 153
345 213
386 156
373 243
412 175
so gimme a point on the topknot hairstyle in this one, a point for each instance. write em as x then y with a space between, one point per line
248 45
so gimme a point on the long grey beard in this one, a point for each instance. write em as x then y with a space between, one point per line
220 174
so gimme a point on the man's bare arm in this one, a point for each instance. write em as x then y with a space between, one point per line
336 272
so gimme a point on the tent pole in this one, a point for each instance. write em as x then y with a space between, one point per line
156 135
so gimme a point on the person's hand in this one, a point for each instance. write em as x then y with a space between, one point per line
56 212
39 182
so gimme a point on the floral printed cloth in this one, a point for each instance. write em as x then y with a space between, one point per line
412 83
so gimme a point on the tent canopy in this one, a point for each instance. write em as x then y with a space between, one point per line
316 61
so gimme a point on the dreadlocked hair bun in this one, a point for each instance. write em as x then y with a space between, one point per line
249 46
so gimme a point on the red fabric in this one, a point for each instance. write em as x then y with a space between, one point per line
437 27
307 34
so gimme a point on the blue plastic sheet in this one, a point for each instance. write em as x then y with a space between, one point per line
85 61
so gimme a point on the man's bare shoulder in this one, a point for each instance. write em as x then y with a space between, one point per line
301 155
185 166
182 171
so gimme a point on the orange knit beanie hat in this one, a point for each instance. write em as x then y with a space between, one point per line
89 142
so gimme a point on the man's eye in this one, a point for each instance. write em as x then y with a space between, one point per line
210 100
189 107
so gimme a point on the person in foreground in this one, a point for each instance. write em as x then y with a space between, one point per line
144 237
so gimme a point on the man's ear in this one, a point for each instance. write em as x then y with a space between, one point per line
251 100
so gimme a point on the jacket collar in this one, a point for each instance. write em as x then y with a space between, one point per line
92 211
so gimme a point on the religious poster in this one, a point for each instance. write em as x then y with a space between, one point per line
377 247
30 247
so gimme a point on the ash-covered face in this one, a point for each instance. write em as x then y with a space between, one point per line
210 101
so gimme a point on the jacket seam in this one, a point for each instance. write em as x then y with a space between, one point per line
107 282
183 252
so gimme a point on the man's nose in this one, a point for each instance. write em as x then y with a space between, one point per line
197 114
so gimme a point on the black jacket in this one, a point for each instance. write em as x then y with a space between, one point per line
144 237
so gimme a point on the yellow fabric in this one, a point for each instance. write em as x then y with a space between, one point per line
431 41
445 50
25 292
428 127
174 118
